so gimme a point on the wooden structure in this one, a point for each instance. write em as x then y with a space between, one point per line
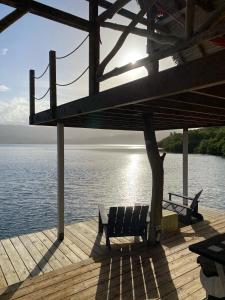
78 268
124 221
187 213
189 95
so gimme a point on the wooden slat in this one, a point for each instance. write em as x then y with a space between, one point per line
53 248
27 259
48 256
15 259
63 247
36 255
7 267
165 272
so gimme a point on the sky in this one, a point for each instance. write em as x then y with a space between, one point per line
26 43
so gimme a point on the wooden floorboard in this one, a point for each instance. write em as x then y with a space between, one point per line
81 267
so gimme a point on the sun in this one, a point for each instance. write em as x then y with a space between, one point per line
131 57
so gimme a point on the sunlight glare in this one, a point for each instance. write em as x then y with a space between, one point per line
131 57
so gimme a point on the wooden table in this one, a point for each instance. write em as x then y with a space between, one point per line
213 249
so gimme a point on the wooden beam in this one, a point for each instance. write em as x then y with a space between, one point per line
189 18
112 10
196 39
49 12
122 38
156 37
213 18
191 76
122 12
11 18
94 48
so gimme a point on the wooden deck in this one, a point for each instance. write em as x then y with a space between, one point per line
36 266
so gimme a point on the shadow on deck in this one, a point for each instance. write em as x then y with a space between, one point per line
81 267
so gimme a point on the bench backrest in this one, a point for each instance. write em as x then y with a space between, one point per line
195 201
129 220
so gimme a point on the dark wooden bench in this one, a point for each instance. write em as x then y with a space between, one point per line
187 213
124 221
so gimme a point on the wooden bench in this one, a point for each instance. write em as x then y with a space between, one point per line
124 221
187 214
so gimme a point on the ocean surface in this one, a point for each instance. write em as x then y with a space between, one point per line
113 175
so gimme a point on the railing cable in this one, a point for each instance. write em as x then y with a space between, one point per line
75 80
70 53
43 95
46 69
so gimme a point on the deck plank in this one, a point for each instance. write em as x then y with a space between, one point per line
7 267
82 268
36 255
16 260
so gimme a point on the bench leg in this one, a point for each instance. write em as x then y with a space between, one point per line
100 225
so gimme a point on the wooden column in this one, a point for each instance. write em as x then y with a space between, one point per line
52 81
60 179
32 96
156 163
185 164
94 47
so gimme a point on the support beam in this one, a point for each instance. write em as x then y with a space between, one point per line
49 12
123 37
112 10
94 48
11 18
185 165
189 18
156 37
199 37
60 179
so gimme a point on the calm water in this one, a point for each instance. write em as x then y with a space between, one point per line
101 174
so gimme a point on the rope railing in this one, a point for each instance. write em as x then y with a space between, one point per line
75 80
42 97
52 81
39 77
73 51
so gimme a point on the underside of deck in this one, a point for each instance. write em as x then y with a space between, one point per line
36 266
187 96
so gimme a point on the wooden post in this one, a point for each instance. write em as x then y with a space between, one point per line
52 80
60 179
94 47
155 160
185 164
32 96
156 163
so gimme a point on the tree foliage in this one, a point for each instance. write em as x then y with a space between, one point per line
205 141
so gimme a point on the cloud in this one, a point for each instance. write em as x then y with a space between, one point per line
4 51
3 88
14 111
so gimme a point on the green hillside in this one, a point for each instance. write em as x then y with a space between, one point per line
204 141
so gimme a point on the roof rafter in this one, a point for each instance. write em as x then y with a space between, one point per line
50 13
11 18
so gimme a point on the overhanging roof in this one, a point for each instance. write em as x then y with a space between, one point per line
190 95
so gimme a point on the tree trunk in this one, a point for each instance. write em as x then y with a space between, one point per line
156 163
